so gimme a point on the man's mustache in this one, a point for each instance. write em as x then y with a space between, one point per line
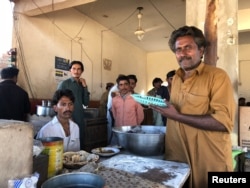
67 112
184 58
124 90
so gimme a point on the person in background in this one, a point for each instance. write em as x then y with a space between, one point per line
126 111
110 117
161 92
132 83
242 101
164 91
156 85
79 88
201 110
157 117
169 78
61 125
113 92
104 100
14 101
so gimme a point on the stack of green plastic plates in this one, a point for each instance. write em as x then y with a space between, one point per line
147 100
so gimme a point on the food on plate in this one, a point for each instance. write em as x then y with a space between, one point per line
103 150
78 158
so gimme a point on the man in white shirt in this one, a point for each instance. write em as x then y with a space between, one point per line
61 125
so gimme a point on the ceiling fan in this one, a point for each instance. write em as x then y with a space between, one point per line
139 31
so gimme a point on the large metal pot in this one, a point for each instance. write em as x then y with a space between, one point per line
75 180
145 140
41 110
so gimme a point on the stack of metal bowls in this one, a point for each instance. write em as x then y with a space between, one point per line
45 109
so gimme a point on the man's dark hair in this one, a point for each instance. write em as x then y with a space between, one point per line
109 85
156 80
122 77
62 93
170 74
192 31
133 77
76 62
9 72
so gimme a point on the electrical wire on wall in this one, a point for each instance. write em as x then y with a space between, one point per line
21 56
52 21
92 68
72 39
83 51
101 58
110 29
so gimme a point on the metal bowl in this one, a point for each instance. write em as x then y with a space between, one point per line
145 140
75 180
45 111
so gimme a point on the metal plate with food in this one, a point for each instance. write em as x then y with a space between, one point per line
105 151
147 100
75 160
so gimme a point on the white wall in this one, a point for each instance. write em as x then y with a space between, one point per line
244 67
159 64
71 35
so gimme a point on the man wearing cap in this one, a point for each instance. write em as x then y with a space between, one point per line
14 100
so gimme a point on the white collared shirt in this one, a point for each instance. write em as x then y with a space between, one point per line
54 129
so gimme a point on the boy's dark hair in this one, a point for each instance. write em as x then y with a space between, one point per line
109 85
156 80
62 93
170 74
76 62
